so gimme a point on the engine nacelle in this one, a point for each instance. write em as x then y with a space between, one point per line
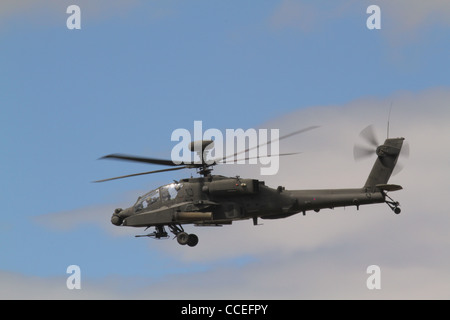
232 186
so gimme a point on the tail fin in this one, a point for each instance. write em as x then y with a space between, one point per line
384 165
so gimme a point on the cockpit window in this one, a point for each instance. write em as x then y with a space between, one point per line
147 199
167 192
170 191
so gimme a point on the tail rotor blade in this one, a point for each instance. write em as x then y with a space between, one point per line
398 167
361 152
368 134
405 150
404 154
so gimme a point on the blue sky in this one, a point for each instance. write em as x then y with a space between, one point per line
137 70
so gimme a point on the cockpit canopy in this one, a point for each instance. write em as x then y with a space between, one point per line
163 194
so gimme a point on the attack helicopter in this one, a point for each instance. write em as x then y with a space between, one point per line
215 200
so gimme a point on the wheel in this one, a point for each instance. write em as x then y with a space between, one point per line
192 240
397 210
182 238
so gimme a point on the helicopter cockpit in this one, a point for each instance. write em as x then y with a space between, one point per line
163 194
170 191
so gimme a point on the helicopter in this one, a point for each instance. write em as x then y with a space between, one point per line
216 200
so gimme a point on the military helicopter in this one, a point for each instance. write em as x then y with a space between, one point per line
215 200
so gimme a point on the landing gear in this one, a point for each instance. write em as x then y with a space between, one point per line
192 240
394 205
183 238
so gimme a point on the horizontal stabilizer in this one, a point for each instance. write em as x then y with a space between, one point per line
389 187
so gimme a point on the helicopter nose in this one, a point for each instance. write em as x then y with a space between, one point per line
120 214
116 220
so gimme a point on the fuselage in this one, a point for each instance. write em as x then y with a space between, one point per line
216 200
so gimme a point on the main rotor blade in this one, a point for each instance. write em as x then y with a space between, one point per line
368 134
361 152
267 143
142 173
270 155
125 157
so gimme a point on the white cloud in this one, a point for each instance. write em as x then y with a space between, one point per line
18 286
402 21
67 220
413 14
99 215
325 254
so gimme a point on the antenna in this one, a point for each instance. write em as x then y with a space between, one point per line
389 117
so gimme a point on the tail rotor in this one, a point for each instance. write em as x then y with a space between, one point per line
371 147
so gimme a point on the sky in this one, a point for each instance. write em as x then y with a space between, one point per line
138 70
